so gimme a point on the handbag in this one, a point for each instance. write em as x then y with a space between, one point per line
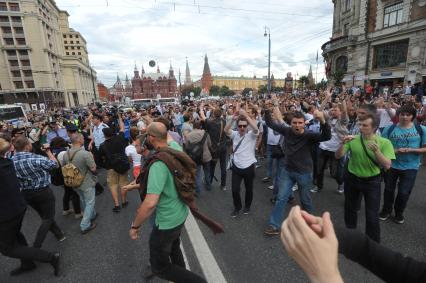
231 158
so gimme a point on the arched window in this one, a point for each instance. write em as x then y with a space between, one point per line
342 64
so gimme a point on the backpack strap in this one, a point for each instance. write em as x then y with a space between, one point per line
419 130
390 131
368 155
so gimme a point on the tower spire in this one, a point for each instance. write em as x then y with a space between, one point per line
187 74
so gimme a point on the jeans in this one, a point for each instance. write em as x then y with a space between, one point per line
270 162
337 167
166 257
71 195
199 177
407 178
315 154
369 188
13 243
238 175
277 179
43 201
304 181
222 160
87 200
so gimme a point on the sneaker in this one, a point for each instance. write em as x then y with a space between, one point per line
383 215
340 190
271 187
78 216
92 226
258 166
266 179
246 210
295 188
63 238
315 189
223 188
67 212
399 219
20 270
235 213
124 204
271 231
116 209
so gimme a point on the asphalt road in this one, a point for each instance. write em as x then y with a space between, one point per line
243 253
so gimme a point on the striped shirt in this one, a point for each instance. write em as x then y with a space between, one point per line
32 170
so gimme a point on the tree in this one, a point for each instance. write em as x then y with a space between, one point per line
321 85
197 91
186 90
263 89
246 91
337 76
225 91
304 80
214 90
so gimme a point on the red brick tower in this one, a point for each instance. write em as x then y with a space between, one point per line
206 79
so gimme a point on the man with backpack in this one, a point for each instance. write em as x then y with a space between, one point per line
83 168
116 162
166 257
197 146
409 142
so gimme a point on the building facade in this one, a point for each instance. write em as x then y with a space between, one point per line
33 70
238 84
206 78
145 85
381 41
103 92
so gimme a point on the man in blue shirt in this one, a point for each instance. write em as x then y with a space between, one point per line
409 146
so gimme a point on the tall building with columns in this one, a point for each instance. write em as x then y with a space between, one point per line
381 41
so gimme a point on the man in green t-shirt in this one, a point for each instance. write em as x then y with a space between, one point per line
165 254
369 153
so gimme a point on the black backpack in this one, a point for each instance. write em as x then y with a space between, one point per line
195 150
118 161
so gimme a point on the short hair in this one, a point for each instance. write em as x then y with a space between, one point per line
58 142
371 108
241 118
134 132
164 121
97 116
75 138
186 117
20 143
4 146
197 124
374 120
217 112
297 115
108 132
409 109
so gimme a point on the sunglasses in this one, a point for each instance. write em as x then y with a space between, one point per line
242 126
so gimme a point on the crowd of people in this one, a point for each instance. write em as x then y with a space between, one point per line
363 138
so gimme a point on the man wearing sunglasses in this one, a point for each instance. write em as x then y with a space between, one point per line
244 160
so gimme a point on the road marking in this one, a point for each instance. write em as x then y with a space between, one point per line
184 257
208 263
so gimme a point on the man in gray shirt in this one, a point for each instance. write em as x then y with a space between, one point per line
84 161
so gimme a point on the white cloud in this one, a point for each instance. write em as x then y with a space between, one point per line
231 33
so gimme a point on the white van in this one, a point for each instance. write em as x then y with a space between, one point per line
12 113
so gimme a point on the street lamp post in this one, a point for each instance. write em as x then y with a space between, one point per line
269 57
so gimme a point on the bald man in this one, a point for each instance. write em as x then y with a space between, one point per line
164 244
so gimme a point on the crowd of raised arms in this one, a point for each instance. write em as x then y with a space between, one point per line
368 139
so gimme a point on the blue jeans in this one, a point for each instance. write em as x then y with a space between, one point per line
199 177
277 179
87 200
270 162
407 178
289 179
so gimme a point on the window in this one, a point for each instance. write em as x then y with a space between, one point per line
346 29
72 42
14 7
19 30
19 85
77 41
30 84
64 36
13 63
72 47
67 53
79 53
78 47
70 35
66 47
6 30
28 73
16 74
73 53
347 5
16 20
23 52
20 41
392 54
3 6
4 19
8 41
25 62
11 53
393 15
65 41
342 64
76 36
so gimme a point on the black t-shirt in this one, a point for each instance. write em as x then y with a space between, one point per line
215 127
114 145
12 201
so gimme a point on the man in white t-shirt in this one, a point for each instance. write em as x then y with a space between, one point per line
244 160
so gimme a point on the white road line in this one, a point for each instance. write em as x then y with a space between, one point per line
184 257
208 263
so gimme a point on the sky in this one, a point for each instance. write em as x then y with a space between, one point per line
122 33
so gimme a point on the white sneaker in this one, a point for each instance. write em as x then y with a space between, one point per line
271 187
295 188
67 212
78 216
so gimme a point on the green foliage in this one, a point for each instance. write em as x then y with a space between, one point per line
304 81
321 85
337 76
246 91
214 90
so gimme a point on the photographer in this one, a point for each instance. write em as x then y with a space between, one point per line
112 153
